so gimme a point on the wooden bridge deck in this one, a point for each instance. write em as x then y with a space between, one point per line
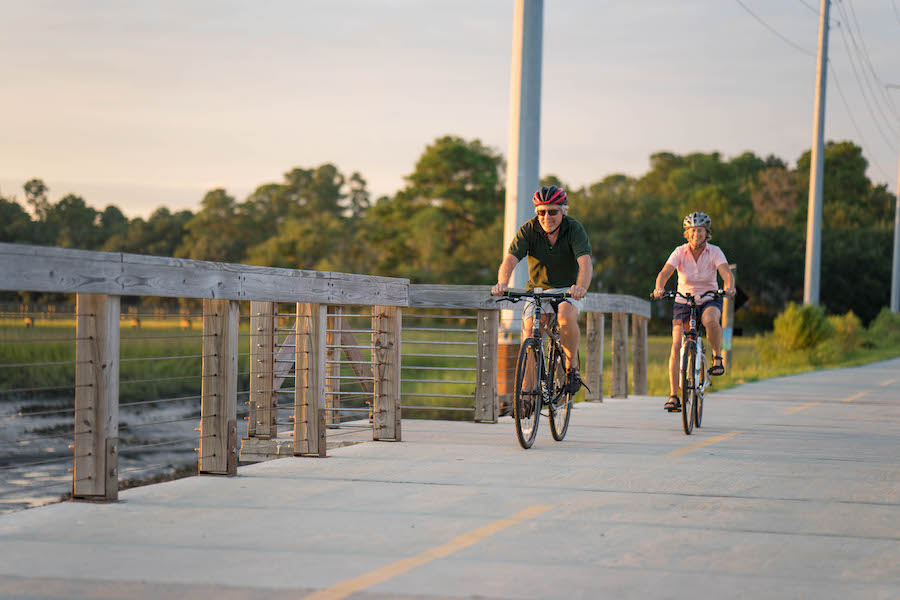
790 489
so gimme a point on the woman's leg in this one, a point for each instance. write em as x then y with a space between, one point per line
675 357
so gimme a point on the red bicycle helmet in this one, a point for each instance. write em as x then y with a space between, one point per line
550 194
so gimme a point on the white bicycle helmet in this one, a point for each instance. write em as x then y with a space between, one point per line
697 219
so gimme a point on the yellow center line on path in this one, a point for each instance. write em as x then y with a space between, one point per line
887 383
351 586
714 440
802 407
854 397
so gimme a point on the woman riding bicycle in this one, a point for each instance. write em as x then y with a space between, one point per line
697 262
559 260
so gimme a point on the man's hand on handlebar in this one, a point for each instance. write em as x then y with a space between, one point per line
730 292
577 292
657 293
499 289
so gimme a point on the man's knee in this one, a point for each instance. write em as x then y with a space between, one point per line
567 313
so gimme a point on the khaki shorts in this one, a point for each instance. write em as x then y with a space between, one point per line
528 311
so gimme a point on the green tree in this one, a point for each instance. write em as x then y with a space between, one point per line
776 198
15 222
443 223
218 232
112 222
75 223
36 197
161 235
848 197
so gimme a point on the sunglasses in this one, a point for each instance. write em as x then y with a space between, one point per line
545 213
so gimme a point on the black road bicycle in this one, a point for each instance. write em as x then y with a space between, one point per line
541 383
694 367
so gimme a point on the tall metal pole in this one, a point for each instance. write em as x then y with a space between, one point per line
522 176
895 271
816 165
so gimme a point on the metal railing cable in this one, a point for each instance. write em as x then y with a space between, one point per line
434 330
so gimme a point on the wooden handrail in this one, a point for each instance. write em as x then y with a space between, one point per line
63 270
101 277
479 297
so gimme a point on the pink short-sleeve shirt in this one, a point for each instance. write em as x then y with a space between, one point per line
696 276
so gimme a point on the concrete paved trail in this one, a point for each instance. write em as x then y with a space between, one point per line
791 489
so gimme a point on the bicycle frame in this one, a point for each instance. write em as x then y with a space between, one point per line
693 333
555 349
548 367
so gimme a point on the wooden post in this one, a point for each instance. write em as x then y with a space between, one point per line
218 404
728 324
96 465
619 356
594 362
487 403
386 341
639 355
263 398
332 371
309 382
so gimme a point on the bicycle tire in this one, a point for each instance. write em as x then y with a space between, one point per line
700 394
527 401
559 417
688 387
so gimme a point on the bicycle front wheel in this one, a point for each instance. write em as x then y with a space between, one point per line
527 411
701 389
688 387
561 410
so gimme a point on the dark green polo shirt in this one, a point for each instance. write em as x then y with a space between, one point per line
551 266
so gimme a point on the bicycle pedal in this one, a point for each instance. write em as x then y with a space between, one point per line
674 410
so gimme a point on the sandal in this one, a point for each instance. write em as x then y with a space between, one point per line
674 404
718 368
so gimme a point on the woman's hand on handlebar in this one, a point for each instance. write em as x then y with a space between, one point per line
730 292
657 293
499 289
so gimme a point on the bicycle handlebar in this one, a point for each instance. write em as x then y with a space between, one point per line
511 296
673 293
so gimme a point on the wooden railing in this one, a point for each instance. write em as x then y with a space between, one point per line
99 279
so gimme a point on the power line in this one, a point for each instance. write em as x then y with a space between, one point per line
834 77
775 31
862 138
866 59
814 10
862 89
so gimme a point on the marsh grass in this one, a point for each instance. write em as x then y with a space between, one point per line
167 376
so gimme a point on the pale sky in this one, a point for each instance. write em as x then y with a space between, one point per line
143 104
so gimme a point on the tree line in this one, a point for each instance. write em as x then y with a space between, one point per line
446 223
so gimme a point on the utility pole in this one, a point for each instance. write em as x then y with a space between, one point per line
523 148
816 166
522 175
895 270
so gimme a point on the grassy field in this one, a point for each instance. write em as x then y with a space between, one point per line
162 359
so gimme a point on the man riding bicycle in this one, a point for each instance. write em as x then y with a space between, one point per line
697 262
559 260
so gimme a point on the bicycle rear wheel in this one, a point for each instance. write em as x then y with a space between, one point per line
527 403
562 410
688 387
